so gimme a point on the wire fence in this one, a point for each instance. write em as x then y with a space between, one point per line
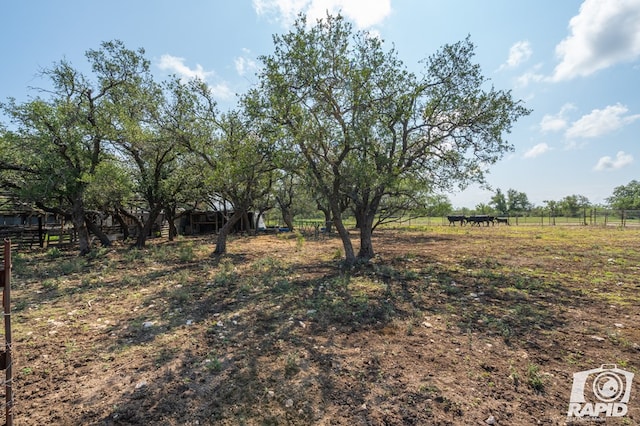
6 358
587 217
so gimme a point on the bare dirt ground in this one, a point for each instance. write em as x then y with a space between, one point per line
447 326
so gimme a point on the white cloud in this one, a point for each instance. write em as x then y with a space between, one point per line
364 13
608 163
176 65
537 150
222 91
532 76
603 34
245 64
600 122
558 122
520 52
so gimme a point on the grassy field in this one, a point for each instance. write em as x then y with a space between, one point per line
446 326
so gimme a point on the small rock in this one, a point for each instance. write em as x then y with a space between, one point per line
271 394
490 420
427 324
619 325
147 324
288 403
598 338
189 322
141 384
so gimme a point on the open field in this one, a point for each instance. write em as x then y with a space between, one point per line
447 326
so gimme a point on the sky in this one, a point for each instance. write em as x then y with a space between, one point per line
574 63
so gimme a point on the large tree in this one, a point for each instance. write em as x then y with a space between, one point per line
371 131
241 174
57 140
499 202
572 205
237 166
626 197
517 201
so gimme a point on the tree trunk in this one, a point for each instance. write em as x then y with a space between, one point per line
123 225
287 217
170 212
95 230
366 244
328 222
349 253
365 216
80 225
41 232
221 243
147 227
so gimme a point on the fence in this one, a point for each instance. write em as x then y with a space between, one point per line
593 217
6 355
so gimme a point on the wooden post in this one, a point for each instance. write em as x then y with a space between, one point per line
5 282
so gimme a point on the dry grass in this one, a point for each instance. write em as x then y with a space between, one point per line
445 326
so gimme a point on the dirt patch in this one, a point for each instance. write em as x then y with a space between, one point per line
446 326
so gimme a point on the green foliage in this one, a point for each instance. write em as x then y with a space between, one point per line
572 205
186 253
226 274
346 104
534 379
626 197
54 253
57 143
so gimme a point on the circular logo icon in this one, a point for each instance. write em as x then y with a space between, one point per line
608 386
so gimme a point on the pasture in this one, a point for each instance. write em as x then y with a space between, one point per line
446 326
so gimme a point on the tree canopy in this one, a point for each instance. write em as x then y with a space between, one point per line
370 130
57 142
626 197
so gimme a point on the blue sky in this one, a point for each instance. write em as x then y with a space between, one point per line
576 63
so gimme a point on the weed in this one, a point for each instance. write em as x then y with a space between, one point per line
534 379
213 364
619 340
427 389
411 275
622 363
73 265
451 289
186 253
227 273
54 253
299 241
99 253
337 254
282 286
181 295
50 284
132 255
410 329
128 281
291 367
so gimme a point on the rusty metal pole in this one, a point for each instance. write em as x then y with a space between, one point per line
6 303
